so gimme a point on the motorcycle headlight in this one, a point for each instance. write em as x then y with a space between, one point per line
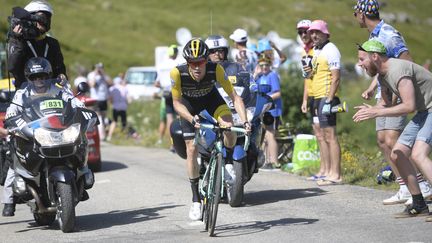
50 138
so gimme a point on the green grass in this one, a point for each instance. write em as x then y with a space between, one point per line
125 33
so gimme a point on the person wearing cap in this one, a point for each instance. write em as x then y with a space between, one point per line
308 97
241 54
99 83
413 85
388 129
21 49
325 75
269 48
164 82
265 75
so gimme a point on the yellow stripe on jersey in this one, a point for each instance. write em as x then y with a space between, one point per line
222 78
176 83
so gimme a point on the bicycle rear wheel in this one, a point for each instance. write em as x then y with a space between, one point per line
215 195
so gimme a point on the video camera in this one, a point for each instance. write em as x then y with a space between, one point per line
27 21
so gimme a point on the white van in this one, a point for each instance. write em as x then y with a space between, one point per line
140 82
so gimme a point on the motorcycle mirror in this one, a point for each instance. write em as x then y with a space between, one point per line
4 96
83 87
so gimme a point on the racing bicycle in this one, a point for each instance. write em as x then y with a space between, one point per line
210 135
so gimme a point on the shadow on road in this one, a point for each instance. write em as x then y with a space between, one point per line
118 217
112 165
270 196
252 227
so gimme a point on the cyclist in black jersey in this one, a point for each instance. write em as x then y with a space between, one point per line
194 90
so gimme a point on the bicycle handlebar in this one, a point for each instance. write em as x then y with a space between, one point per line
229 129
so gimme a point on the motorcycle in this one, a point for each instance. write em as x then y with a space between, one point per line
49 154
257 104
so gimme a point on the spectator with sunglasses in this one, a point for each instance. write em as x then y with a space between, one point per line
265 75
388 129
193 91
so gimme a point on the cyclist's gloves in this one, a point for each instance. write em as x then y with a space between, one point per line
195 121
247 126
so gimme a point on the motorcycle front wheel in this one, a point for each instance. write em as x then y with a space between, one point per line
65 207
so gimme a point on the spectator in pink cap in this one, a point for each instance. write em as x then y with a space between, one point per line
325 75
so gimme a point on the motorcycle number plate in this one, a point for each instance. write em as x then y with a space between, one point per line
51 104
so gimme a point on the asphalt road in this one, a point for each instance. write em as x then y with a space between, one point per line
143 195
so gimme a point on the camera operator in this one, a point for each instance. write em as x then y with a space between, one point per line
27 39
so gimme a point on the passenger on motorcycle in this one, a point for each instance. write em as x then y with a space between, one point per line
38 72
193 91
21 47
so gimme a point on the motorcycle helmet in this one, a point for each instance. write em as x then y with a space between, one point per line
38 72
36 7
37 67
218 42
177 138
195 50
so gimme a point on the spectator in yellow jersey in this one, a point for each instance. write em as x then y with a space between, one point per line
325 75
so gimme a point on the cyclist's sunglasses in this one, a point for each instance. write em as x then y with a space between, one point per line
264 64
197 63
220 50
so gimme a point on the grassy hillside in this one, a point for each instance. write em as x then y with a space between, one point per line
125 33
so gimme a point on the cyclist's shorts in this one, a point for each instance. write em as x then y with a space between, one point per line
212 102
326 120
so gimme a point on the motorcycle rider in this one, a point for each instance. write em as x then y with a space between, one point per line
38 72
194 90
237 74
21 49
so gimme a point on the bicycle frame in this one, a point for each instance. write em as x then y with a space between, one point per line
218 148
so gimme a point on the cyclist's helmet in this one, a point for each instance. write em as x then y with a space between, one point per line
37 6
37 67
218 42
195 50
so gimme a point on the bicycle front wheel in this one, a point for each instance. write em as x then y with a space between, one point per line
215 196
